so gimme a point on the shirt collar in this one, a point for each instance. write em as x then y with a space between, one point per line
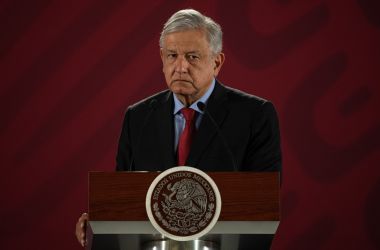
178 104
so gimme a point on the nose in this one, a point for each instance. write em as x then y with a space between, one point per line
182 65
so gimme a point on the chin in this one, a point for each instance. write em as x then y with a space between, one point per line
182 89
182 92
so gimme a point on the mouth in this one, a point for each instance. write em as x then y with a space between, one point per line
182 80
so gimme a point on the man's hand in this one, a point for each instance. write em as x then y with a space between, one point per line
80 229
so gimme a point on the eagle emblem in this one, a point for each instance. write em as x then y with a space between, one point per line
183 203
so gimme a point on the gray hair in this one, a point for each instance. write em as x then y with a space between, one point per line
188 19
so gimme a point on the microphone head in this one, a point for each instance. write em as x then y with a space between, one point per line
201 106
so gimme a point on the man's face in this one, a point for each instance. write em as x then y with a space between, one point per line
188 64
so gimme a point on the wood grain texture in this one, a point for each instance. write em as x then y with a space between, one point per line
246 196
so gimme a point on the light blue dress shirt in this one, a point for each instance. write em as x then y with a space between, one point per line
179 120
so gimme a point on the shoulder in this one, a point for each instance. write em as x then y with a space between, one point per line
240 99
237 94
150 102
137 112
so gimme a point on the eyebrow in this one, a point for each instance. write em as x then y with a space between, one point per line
189 52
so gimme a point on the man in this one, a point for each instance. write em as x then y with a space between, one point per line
196 122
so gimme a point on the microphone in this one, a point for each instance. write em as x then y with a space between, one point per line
152 107
202 107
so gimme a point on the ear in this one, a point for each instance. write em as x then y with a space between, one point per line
162 54
218 62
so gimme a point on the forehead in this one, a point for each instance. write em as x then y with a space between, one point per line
184 41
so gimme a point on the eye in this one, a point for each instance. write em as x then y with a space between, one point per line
192 57
172 55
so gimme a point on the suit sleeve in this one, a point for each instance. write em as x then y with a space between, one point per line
124 153
264 149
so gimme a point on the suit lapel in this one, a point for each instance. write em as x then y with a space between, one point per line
207 130
165 131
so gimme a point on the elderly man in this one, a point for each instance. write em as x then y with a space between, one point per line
198 121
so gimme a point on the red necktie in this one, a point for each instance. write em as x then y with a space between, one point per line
187 135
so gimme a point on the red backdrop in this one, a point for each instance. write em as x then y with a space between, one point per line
70 68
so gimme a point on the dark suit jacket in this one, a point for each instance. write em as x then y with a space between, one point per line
248 123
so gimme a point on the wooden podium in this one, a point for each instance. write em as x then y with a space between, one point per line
118 218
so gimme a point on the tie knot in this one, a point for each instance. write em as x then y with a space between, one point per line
188 113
